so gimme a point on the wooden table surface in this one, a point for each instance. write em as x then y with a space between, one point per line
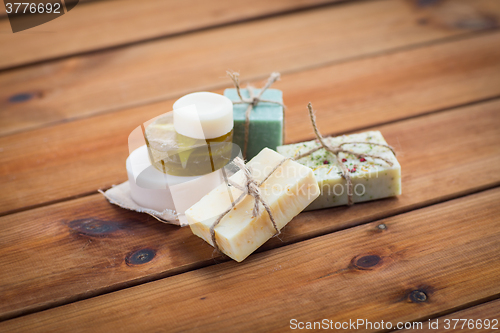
426 73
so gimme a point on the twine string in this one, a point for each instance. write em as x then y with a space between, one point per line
335 150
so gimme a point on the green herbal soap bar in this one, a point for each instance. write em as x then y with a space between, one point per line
266 121
372 178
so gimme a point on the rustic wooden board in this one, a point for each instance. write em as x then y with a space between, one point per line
103 24
424 263
106 81
81 156
489 310
77 249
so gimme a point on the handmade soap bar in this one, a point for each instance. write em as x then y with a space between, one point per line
372 178
179 155
156 190
266 121
287 191
195 138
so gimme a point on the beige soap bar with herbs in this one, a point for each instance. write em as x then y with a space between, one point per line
289 189
372 178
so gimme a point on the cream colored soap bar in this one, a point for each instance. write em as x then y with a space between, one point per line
289 189
372 178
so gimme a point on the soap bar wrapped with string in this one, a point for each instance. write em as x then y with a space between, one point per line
349 168
256 203
258 116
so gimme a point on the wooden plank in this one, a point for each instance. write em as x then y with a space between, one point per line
424 262
81 156
386 88
106 81
474 316
102 24
77 249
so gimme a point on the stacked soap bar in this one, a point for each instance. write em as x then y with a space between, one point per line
153 189
372 178
288 190
180 155
266 121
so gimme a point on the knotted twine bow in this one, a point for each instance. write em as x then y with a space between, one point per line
335 150
252 101
250 187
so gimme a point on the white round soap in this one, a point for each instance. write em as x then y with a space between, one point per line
203 115
153 189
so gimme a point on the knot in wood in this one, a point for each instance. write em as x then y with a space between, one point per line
140 257
418 296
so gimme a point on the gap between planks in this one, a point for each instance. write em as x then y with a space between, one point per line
433 250
123 39
409 117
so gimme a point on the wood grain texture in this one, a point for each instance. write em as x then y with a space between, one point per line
78 157
48 259
107 81
103 24
447 253
478 313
